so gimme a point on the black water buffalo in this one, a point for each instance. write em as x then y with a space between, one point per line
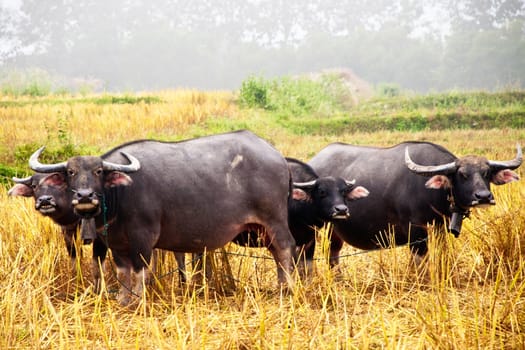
411 184
314 201
185 197
53 201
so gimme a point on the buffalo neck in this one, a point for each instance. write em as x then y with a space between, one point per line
108 210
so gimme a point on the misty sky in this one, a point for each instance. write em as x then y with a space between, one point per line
138 44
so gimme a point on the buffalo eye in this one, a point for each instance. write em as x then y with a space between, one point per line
322 193
463 174
98 171
71 172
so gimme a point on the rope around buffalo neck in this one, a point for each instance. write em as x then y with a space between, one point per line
104 216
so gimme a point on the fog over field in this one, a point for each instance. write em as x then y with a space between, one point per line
133 45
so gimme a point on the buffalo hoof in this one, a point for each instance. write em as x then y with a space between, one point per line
305 269
124 298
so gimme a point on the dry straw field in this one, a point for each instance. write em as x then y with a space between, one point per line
469 295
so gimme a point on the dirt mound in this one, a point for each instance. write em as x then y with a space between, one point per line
356 88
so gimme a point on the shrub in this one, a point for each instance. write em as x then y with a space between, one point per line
37 89
32 82
254 93
388 90
7 173
297 96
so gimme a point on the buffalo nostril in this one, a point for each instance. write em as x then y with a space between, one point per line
85 196
480 195
44 199
341 209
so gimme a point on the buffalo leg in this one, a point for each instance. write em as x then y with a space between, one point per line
97 263
305 258
131 283
139 279
202 267
124 279
336 244
69 239
418 244
181 265
132 274
157 257
283 251
140 276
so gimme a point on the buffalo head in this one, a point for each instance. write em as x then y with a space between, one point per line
48 190
468 177
328 195
87 177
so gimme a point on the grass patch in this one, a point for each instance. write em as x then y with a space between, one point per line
97 100
294 96
441 121
8 172
449 100
127 99
323 105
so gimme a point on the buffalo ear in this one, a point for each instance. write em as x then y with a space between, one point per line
438 181
21 190
357 193
300 195
117 178
54 179
504 176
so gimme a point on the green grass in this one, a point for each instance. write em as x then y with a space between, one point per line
304 106
106 99
8 172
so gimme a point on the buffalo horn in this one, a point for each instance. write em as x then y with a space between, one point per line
133 166
350 183
44 168
509 164
429 170
25 180
304 184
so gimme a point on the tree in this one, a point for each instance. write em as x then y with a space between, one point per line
11 19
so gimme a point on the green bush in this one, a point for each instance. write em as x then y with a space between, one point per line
294 96
254 93
388 90
53 153
31 82
302 96
37 89
7 173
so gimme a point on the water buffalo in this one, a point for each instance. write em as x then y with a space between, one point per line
53 201
411 185
182 196
314 201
